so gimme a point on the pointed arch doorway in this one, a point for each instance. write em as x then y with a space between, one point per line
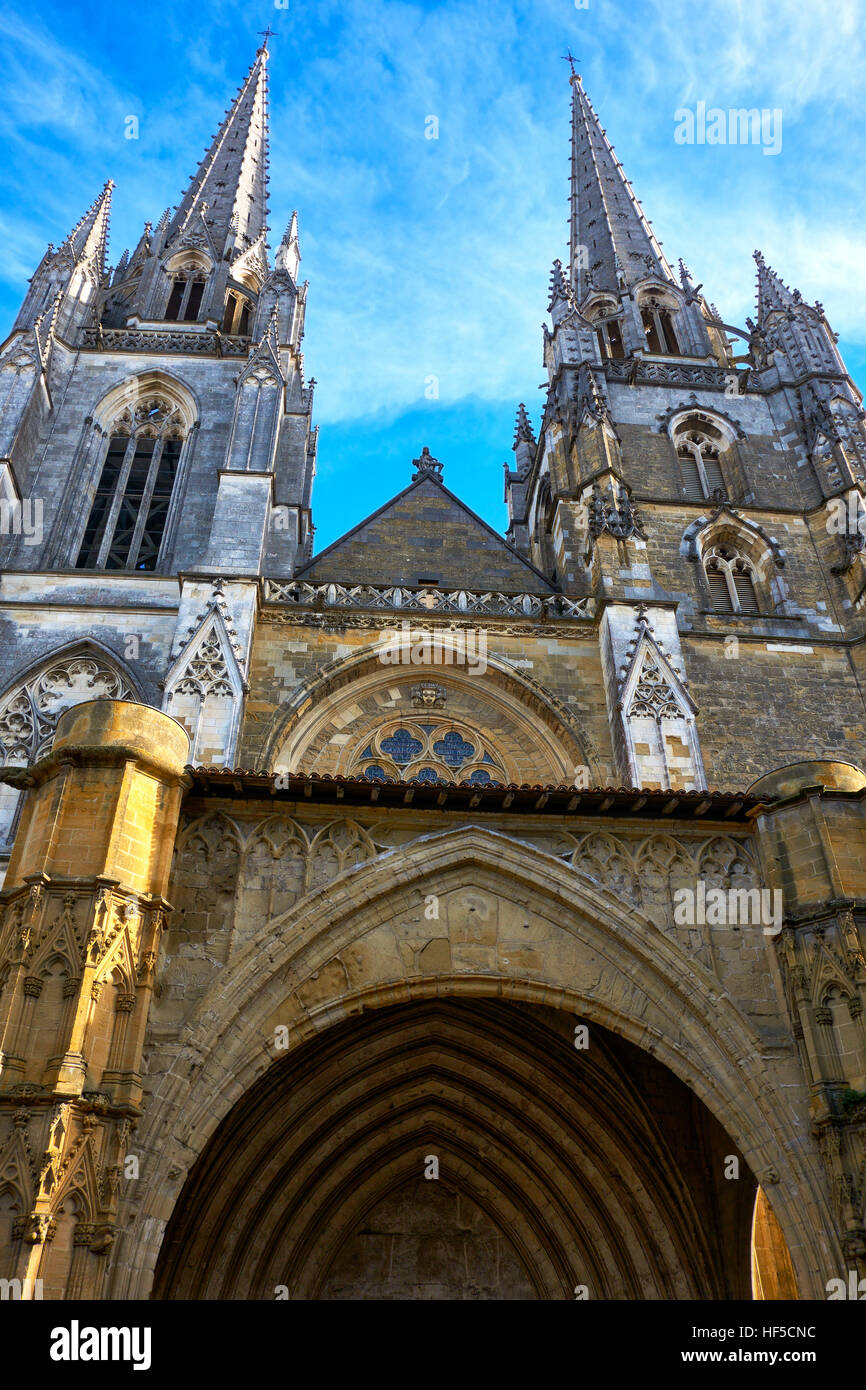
464 1149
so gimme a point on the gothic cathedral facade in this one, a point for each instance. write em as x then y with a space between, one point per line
442 914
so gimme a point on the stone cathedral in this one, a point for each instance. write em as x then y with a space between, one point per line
388 922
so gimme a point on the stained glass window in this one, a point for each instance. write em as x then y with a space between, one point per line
453 749
435 754
401 746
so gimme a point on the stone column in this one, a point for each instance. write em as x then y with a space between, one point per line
81 915
811 836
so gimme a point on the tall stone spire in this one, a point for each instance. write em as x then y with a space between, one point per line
230 186
612 243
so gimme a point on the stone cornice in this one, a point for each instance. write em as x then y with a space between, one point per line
87 755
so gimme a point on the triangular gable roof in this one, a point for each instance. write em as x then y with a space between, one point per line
425 533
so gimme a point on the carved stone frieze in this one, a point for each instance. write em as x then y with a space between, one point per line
428 601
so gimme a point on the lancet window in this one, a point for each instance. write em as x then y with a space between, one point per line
238 314
128 514
658 326
185 298
731 582
698 449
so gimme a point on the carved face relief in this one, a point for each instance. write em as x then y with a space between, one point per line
430 695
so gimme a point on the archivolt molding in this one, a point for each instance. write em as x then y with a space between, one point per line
133 389
569 1165
189 261
522 701
692 409
348 947
728 521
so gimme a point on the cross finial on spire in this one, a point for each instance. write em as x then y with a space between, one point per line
571 60
267 34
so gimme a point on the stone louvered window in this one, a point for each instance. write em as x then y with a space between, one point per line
698 455
430 752
730 579
130 507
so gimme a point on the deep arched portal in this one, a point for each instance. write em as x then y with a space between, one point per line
463 1148
345 973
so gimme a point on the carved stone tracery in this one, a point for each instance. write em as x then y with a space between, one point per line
29 715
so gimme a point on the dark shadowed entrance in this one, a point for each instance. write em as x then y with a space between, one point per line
557 1167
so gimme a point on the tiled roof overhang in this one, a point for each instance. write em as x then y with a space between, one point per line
610 802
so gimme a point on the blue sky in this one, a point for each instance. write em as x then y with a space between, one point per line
432 257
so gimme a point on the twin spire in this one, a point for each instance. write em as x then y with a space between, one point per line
230 187
612 243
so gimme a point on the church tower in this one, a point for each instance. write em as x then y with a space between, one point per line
157 451
708 500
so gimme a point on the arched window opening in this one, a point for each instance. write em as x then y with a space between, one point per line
185 299
605 317
698 447
545 512
238 314
609 336
128 515
659 329
730 579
